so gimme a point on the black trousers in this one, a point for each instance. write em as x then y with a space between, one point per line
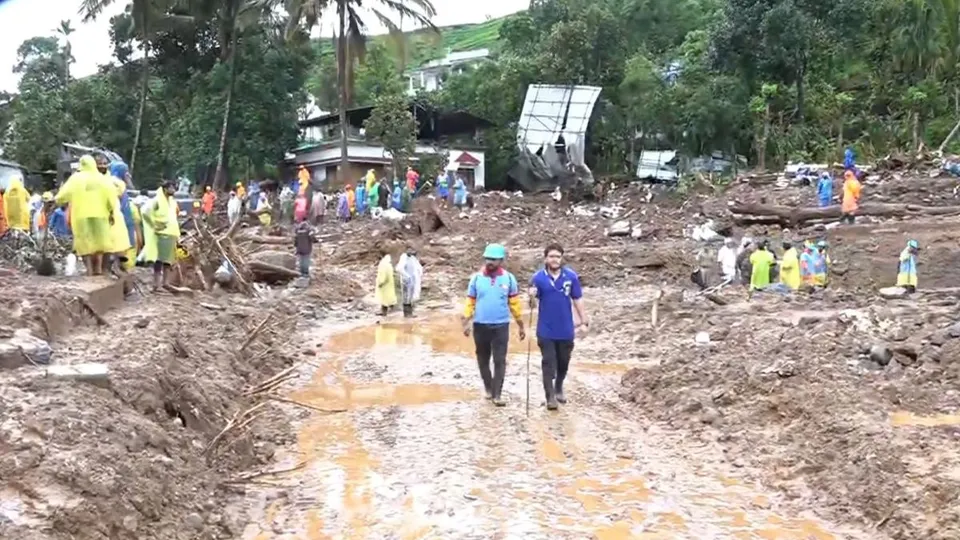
847 218
491 341
555 363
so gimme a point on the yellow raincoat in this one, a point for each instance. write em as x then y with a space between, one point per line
790 269
16 207
161 210
119 237
386 290
92 201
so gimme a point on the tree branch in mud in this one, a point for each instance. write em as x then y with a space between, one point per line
256 331
791 217
239 421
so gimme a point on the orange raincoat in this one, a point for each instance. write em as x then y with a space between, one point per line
851 193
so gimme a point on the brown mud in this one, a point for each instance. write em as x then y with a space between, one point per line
418 453
128 459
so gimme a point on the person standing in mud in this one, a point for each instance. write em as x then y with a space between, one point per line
558 291
493 297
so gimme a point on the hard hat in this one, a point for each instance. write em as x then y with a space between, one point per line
47 196
239 184
913 244
495 251
208 188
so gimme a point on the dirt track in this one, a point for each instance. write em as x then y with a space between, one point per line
782 427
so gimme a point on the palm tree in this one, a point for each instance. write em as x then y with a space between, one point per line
148 16
350 40
65 30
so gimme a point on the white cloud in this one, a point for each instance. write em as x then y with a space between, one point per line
23 19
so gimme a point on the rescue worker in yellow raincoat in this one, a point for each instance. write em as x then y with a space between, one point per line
16 206
161 231
92 204
386 289
790 267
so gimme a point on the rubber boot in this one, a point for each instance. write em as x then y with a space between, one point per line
551 396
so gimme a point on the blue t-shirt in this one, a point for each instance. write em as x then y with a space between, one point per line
555 317
493 293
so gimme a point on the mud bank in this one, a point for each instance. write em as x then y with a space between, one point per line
132 459
413 450
789 391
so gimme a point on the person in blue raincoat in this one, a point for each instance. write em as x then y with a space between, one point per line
120 171
459 193
849 159
825 190
396 196
361 203
907 268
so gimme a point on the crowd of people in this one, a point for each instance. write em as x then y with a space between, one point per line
108 226
755 263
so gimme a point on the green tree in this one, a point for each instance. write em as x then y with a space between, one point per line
392 125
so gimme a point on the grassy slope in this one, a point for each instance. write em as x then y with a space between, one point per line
424 46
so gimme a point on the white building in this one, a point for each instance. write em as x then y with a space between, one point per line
431 75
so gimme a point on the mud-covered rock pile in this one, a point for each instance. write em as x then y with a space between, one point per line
134 459
798 393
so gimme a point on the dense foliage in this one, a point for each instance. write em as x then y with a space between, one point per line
185 62
774 80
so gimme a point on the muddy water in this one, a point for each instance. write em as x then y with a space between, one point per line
418 453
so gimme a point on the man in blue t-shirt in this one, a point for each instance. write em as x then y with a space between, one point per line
557 288
493 299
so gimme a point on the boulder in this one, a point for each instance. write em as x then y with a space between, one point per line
619 228
24 349
881 354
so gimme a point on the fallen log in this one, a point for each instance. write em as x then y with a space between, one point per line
791 216
272 240
271 272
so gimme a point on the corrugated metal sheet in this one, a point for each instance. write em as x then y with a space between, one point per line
550 111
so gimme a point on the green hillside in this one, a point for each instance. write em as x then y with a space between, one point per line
423 46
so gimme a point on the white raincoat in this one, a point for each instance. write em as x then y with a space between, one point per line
411 277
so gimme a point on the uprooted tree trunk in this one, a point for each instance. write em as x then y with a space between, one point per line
791 217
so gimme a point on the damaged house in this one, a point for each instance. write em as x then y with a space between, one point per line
552 136
457 133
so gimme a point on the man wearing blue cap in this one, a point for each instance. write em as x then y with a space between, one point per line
493 298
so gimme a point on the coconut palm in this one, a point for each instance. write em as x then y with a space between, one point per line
148 17
65 29
349 38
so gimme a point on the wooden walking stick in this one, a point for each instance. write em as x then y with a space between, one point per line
529 345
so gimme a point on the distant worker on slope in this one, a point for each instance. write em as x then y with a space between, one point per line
16 204
92 203
851 197
209 198
493 298
790 267
761 261
825 190
808 264
907 268
823 262
727 261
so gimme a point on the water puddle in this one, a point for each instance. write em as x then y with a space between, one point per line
418 453
903 418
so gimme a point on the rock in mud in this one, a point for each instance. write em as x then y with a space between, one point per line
619 228
939 337
954 331
881 354
24 349
193 521
710 416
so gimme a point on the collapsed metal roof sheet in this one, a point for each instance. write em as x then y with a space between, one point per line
551 110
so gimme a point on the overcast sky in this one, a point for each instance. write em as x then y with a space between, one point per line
23 19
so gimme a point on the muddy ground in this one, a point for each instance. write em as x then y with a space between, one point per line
781 427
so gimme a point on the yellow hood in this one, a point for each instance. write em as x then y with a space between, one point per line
88 164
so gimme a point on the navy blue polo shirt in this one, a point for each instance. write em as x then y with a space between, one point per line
556 296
